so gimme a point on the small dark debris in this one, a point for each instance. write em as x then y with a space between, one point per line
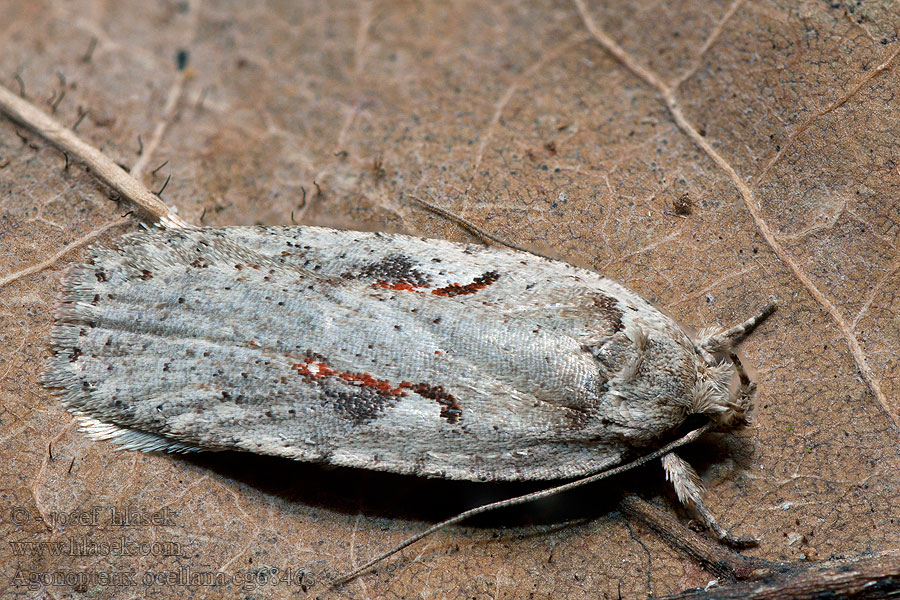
181 59
683 206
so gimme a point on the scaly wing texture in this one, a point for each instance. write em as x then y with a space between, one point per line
342 347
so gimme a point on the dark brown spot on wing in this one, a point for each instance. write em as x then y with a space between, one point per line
450 408
392 269
479 283
606 307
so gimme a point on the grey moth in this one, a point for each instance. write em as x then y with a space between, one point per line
387 352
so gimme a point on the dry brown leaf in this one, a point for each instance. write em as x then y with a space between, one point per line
569 126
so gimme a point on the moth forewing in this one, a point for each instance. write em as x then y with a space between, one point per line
386 352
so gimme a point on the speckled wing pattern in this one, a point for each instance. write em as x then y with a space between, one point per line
368 350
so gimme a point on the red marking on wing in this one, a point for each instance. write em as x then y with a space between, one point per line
403 286
313 369
449 291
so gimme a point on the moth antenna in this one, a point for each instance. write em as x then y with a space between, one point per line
472 227
729 338
686 439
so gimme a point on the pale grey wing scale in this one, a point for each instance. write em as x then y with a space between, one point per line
577 297
185 339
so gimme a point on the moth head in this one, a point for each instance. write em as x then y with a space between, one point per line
723 392
656 375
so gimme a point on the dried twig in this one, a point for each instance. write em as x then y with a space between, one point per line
714 556
859 577
106 170
747 577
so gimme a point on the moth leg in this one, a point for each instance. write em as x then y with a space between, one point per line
748 387
718 341
689 489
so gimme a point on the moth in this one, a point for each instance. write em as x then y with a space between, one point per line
387 352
